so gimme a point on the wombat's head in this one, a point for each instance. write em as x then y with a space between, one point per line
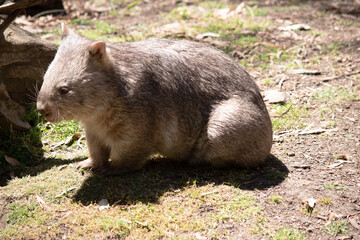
72 83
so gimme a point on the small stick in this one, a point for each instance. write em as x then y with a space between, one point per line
335 77
281 115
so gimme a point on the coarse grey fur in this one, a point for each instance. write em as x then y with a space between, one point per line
184 100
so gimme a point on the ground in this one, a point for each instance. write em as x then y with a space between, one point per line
309 187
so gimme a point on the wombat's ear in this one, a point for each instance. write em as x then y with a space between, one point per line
65 30
98 49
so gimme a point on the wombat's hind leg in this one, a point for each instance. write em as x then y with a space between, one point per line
238 133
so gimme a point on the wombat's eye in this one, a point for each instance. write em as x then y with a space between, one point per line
63 90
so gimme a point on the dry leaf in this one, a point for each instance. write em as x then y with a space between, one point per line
41 202
61 167
331 217
71 139
354 223
64 192
12 161
145 224
335 165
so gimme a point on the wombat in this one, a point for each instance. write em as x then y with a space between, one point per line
185 100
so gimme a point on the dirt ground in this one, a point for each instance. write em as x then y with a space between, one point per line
322 160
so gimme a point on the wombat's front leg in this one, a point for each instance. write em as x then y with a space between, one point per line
99 154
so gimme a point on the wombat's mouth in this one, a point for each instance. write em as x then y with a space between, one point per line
50 117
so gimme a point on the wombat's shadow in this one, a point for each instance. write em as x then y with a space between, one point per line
157 178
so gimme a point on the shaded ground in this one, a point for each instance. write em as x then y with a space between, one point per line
316 132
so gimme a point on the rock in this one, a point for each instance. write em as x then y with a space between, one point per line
274 97
300 26
207 34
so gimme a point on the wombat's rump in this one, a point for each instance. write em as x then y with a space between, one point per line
185 100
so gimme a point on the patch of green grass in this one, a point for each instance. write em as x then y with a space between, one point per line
336 187
60 131
333 95
181 13
347 22
325 201
290 117
333 49
337 227
275 199
268 54
268 81
213 5
287 233
286 8
50 183
315 60
20 213
118 226
244 41
102 30
242 207
209 21
81 21
258 11
133 4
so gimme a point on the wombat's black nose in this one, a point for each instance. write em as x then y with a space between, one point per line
41 109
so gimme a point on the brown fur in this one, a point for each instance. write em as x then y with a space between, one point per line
185 100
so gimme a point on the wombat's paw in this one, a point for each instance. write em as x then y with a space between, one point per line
85 164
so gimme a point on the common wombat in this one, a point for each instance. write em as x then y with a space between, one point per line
185 100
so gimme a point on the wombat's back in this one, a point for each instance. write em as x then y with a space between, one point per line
185 66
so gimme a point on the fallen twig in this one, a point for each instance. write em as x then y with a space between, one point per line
327 79
304 166
282 114
208 193
65 192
